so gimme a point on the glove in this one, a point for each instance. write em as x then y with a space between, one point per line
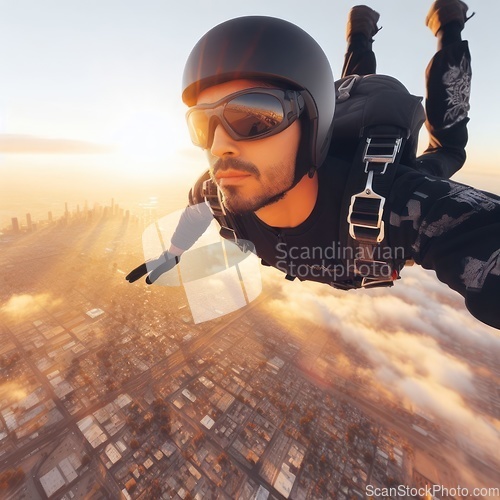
155 267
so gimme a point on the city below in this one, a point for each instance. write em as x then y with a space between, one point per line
109 390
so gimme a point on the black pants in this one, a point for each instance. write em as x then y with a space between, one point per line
448 78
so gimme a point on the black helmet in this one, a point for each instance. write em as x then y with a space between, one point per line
269 49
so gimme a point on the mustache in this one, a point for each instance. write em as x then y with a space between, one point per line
223 164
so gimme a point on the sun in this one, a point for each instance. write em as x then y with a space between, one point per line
150 136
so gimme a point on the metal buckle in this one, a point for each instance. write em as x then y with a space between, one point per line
385 158
228 234
205 189
367 194
376 282
344 90
368 268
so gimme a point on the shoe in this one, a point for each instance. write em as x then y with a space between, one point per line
362 19
446 11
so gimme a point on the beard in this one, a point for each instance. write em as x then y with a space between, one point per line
239 205
277 182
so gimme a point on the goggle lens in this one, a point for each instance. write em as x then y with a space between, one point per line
198 124
250 115
245 116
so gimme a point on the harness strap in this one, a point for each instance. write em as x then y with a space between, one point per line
362 225
213 197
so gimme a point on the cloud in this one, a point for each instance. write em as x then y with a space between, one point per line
417 338
29 144
12 391
23 305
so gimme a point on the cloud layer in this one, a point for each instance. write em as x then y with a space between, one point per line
29 144
414 336
22 305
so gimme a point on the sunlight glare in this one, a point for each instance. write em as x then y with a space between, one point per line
150 136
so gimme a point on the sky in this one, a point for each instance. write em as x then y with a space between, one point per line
90 96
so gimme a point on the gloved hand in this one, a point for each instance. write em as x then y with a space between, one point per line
156 268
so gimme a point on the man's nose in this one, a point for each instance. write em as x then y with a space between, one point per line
223 144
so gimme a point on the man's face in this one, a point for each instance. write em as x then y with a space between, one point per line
250 174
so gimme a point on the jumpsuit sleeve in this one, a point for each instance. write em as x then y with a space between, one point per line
454 230
195 219
448 80
359 58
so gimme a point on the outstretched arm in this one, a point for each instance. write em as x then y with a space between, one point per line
193 222
454 230
359 58
447 105
448 80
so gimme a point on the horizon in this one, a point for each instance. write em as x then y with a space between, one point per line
108 100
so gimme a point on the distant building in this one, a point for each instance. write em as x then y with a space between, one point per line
207 422
168 448
125 495
262 493
276 363
15 224
284 481
94 313
52 482
112 453
68 470
29 223
189 395
130 484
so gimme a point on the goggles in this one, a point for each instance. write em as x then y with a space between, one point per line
245 115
